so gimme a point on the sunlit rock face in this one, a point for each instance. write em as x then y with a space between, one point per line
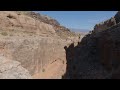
10 69
32 40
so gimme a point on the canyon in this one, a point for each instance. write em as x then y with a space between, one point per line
35 46
97 55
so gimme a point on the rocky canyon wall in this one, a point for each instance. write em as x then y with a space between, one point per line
117 17
34 43
97 56
104 25
108 23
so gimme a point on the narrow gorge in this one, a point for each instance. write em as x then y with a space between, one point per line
35 46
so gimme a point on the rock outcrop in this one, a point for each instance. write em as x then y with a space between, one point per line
97 56
107 24
104 25
33 40
42 18
23 24
117 17
10 69
61 31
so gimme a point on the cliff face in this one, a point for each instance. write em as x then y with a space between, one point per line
109 49
97 56
105 25
61 31
35 54
36 46
15 23
117 17
31 39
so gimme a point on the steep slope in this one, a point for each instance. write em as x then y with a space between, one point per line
61 31
34 43
117 17
12 69
19 23
97 55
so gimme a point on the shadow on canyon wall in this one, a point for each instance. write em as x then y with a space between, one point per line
95 57
77 59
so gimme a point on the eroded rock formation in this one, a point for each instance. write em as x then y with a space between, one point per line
32 39
10 69
117 17
97 56
104 25
46 49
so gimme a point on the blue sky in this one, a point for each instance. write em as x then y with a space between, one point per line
79 19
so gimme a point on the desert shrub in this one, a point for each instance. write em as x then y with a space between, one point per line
11 16
43 70
4 33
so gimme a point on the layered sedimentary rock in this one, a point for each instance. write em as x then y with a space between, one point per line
61 31
14 22
32 40
35 54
